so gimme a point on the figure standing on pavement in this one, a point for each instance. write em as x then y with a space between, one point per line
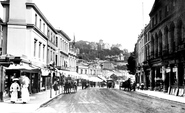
55 86
25 81
14 88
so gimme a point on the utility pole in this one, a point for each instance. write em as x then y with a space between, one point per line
143 13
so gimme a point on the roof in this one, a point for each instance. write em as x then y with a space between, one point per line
155 5
64 34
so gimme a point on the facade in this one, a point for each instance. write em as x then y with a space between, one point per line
63 50
72 58
1 36
28 34
164 47
140 59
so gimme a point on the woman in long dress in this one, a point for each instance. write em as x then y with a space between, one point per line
14 88
25 93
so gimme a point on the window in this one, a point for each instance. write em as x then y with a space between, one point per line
174 3
48 57
48 34
40 24
160 15
39 49
153 22
43 56
35 47
166 10
44 28
156 18
57 41
51 37
51 55
35 19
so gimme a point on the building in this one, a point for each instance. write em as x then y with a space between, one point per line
164 47
63 50
43 50
25 36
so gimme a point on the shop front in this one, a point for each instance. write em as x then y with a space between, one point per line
15 71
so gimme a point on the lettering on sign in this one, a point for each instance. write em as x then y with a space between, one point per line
181 92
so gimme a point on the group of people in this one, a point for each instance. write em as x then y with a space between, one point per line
17 89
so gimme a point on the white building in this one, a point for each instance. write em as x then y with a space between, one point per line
29 35
62 50
25 31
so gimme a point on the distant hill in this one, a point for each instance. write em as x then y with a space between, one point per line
91 51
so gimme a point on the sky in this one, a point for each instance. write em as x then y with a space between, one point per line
113 21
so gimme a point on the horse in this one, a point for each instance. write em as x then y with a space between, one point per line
126 85
84 84
73 86
67 87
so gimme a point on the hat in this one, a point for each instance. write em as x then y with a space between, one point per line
15 79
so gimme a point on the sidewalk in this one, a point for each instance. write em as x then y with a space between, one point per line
36 100
162 95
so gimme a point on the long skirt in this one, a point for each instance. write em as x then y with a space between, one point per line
25 94
14 96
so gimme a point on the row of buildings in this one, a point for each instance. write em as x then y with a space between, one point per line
160 48
46 53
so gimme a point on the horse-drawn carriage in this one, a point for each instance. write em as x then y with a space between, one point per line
70 85
127 84
110 83
85 84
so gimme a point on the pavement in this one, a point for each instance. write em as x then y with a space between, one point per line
162 95
41 98
36 101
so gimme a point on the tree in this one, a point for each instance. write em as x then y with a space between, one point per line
131 66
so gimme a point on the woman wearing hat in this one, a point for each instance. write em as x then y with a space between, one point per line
14 88
24 89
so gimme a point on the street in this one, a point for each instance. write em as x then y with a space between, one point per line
103 100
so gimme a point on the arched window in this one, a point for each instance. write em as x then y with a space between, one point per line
171 38
152 46
160 43
156 45
179 32
165 39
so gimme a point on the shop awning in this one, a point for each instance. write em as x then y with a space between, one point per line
84 76
95 79
63 72
20 67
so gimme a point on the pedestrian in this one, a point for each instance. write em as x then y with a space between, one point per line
24 91
14 88
55 87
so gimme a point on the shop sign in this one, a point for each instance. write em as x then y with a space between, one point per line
168 70
175 69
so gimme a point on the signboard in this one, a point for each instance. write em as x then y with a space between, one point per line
168 70
175 69
181 92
